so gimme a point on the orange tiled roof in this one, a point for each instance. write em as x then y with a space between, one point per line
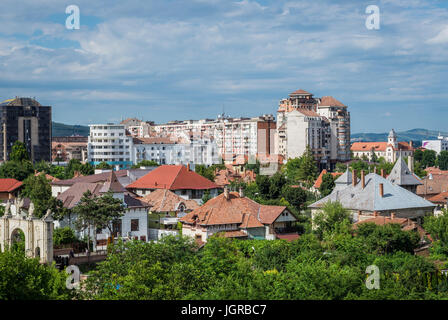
439 198
235 210
163 200
9 185
330 101
378 146
300 91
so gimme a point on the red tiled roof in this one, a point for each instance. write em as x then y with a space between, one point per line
439 198
9 185
378 146
233 234
234 210
320 177
163 200
172 177
307 112
300 91
330 101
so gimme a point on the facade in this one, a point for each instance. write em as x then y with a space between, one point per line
132 225
322 124
110 143
179 179
374 195
65 149
166 209
233 215
233 136
390 150
439 145
138 128
25 120
403 176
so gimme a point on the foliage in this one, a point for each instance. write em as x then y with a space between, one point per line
16 170
442 160
206 197
26 279
327 184
103 165
19 152
64 235
206 172
330 218
253 166
308 168
143 163
429 158
295 196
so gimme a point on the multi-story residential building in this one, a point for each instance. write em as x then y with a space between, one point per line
138 128
233 136
322 124
181 150
390 150
439 145
110 143
25 120
67 148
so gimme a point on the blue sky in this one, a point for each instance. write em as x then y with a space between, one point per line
171 59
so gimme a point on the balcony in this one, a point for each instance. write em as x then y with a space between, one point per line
170 220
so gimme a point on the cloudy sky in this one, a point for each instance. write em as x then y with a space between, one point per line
171 59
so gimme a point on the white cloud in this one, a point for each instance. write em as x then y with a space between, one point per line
440 38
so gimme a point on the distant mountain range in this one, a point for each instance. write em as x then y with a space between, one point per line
66 130
416 135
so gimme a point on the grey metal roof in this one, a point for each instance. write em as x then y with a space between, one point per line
401 175
369 199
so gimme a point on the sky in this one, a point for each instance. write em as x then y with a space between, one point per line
174 60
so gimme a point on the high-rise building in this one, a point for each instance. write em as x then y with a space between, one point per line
110 143
322 124
25 120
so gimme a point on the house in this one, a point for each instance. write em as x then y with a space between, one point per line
132 225
402 175
179 179
225 176
9 188
432 185
318 182
166 209
125 177
390 150
233 215
376 195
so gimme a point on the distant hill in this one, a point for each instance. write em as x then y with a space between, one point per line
65 130
416 135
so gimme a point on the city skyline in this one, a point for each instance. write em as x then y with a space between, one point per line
155 62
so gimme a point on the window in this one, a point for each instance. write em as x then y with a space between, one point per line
134 224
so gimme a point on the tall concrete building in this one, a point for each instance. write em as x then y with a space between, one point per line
25 120
323 124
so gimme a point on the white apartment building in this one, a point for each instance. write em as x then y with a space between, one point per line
323 124
233 136
109 143
439 145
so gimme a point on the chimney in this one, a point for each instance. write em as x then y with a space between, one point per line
241 192
382 173
381 190
392 215
354 178
363 179
226 192
188 166
374 170
411 163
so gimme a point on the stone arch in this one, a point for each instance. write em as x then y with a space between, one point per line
38 234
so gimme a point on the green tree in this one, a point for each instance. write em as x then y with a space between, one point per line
327 184
19 153
145 163
206 197
64 235
295 196
429 158
97 212
26 279
308 168
292 170
103 165
329 219
205 172
442 160
16 170
276 183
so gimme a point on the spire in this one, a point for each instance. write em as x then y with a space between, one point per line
112 184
